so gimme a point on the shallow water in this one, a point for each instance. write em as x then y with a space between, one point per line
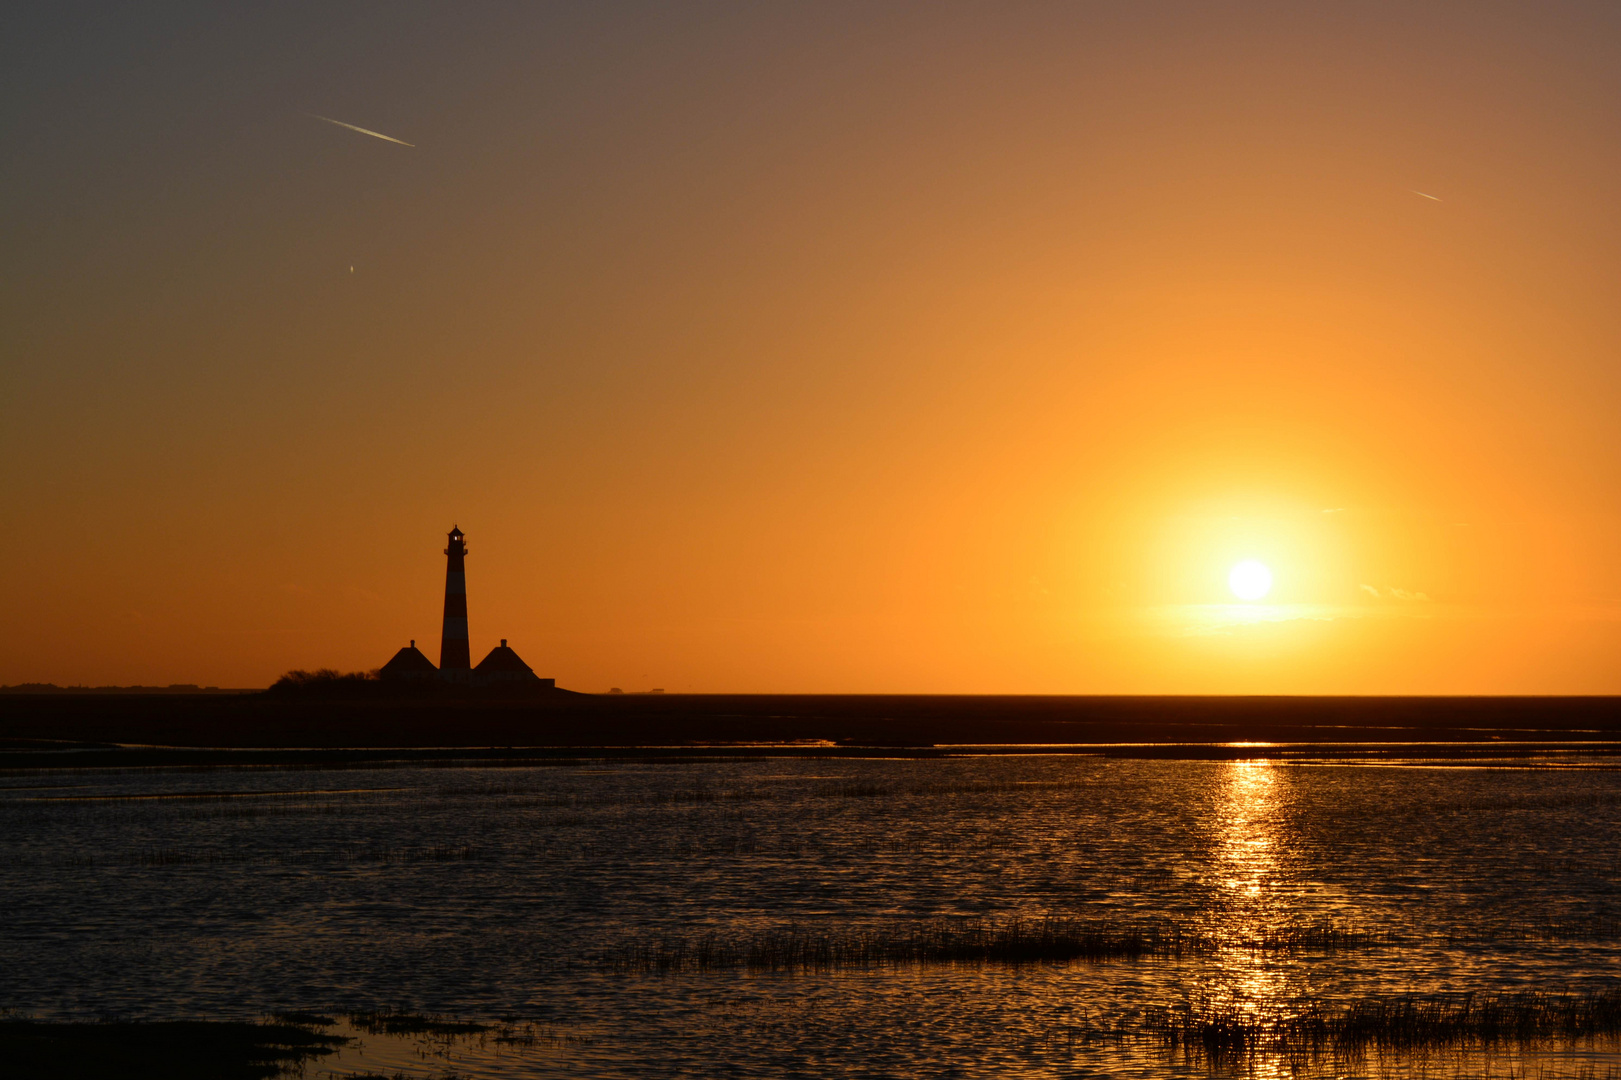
498 892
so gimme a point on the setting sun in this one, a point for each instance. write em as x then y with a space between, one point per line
1250 580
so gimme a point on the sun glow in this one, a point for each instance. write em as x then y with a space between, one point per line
1250 580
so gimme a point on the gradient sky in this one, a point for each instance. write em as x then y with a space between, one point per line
845 348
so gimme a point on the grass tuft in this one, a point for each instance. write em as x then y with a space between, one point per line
304 1019
1399 1024
963 941
388 1022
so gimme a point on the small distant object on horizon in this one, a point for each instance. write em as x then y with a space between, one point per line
363 131
615 690
1427 195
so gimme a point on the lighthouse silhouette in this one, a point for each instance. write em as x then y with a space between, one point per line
502 671
455 662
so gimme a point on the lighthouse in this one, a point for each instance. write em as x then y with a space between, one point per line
501 673
455 663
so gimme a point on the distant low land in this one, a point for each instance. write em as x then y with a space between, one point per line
93 726
172 688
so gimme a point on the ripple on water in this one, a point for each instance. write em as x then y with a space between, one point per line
499 892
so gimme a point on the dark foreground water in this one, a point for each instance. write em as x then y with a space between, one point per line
547 894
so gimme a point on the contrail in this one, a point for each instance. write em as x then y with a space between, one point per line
363 131
1415 191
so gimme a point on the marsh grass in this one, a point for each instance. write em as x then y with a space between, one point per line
450 1038
396 1022
304 1019
1232 1033
1053 939
965 941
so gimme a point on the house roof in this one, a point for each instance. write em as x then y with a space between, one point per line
502 659
408 661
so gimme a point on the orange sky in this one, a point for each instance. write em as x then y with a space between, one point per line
828 348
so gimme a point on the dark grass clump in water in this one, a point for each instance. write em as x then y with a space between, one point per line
963 941
181 1050
388 1022
304 1019
1293 939
1399 1024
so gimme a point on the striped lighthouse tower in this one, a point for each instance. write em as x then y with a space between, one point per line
455 662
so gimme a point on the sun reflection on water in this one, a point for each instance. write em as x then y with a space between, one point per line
1247 846
1248 903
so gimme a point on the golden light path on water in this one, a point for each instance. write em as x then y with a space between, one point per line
1249 983
1248 848
1258 880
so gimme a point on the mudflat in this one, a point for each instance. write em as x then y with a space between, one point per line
1152 726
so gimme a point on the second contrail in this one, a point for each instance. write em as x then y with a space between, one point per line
363 131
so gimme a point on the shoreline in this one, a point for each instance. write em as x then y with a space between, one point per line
1565 756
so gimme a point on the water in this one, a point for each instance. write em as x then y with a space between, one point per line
506 892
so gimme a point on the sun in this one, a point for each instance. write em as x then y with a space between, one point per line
1250 580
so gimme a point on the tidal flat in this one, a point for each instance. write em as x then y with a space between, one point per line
1053 914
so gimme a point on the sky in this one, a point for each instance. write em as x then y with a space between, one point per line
957 348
